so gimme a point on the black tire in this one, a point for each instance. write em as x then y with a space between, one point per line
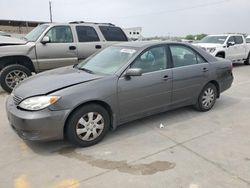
73 123
200 106
247 62
10 69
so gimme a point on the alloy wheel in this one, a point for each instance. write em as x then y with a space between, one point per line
15 77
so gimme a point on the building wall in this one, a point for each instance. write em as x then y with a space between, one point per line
134 33
15 29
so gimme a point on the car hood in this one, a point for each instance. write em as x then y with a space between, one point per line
4 41
51 81
208 45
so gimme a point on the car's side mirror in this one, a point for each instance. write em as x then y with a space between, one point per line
45 40
133 72
230 44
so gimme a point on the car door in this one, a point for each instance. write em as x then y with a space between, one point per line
240 47
151 92
59 51
231 52
88 41
190 74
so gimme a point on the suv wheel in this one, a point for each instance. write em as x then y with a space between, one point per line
220 56
207 98
88 125
12 75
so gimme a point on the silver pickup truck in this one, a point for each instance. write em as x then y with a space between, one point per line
53 45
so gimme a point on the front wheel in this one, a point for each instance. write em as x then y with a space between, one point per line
12 75
87 125
207 98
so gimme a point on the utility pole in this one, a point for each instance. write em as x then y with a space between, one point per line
50 10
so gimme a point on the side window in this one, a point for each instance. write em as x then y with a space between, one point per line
231 39
247 40
184 56
238 40
113 33
60 34
154 59
86 34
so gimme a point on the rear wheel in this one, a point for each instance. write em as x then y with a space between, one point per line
12 75
207 98
87 125
247 62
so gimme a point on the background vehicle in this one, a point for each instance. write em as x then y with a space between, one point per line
122 83
53 45
229 46
4 34
248 39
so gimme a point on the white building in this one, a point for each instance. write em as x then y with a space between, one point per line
133 33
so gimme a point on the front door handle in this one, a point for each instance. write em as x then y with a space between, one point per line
72 48
204 69
98 46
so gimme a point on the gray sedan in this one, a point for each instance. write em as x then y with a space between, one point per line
122 83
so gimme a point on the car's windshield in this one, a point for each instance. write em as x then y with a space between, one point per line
214 39
248 40
35 33
107 61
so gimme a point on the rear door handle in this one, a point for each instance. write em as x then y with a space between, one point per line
72 48
165 77
204 69
98 46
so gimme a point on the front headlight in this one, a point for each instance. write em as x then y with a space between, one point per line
38 103
211 50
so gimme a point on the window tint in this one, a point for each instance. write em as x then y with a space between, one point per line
231 39
238 39
113 33
184 56
86 34
60 34
151 60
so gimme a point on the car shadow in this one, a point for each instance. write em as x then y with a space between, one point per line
240 64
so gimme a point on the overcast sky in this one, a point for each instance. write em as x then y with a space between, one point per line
157 17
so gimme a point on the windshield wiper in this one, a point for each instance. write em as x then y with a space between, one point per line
86 70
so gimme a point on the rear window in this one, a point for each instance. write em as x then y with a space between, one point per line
113 33
86 34
248 40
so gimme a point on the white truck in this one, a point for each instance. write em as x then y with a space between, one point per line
229 46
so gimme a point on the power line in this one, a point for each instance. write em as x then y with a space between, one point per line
176 10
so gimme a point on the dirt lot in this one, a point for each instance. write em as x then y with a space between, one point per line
193 150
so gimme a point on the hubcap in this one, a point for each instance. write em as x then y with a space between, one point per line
90 126
208 98
14 78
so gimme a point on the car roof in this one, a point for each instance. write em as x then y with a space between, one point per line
231 34
81 24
